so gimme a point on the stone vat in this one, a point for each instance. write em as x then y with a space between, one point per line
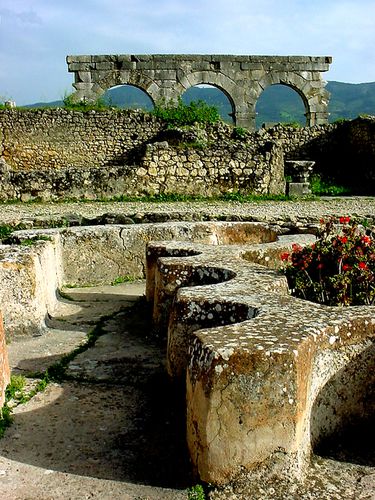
267 375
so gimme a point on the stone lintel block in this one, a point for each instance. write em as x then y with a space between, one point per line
80 67
228 58
78 59
104 58
165 74
200 66
104 65
128 65
253 66
123 58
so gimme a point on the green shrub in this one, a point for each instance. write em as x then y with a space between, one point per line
326 187
240 133
98 105
181 114
196 493
338 269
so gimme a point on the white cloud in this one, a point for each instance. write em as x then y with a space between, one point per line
35 37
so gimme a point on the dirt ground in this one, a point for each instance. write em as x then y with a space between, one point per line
114 427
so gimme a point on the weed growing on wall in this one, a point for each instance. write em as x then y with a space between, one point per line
180 114
338 269
98 105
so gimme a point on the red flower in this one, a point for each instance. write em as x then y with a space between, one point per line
346 267
284 256
362 265
366 240
344 220
296 247
343 239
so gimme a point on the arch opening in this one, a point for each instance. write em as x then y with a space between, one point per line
343 414
128 97
212 96
281 103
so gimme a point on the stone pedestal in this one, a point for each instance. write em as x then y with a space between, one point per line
298 188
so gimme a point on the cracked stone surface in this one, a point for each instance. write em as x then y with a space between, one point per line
111 429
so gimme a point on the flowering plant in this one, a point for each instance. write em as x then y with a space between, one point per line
338 269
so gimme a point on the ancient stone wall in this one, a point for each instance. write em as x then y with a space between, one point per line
55 154
52 154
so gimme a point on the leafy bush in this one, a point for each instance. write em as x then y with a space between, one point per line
98 105
338 269
196 493
240 133
326 187
186 114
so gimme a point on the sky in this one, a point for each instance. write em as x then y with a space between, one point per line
37 35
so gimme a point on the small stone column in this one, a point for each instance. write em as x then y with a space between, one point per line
299 171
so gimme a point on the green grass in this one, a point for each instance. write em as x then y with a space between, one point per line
14 391
123 279
327 187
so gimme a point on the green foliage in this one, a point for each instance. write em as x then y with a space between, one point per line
28 242
5 419
196 493
292 124
123 279
14 391
326 187
15 387
186 114
240 133
98 105
338 269
5 231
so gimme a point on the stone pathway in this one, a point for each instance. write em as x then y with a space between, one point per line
111 428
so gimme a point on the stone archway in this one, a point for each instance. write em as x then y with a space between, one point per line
313 94
242 78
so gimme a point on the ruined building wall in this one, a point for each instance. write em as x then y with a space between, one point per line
54 154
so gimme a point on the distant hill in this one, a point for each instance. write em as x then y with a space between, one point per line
278 103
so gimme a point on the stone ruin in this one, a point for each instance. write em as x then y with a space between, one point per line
267 376
241 78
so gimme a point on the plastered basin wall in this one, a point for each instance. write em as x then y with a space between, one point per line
267 375
40 262
32 274
29 279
